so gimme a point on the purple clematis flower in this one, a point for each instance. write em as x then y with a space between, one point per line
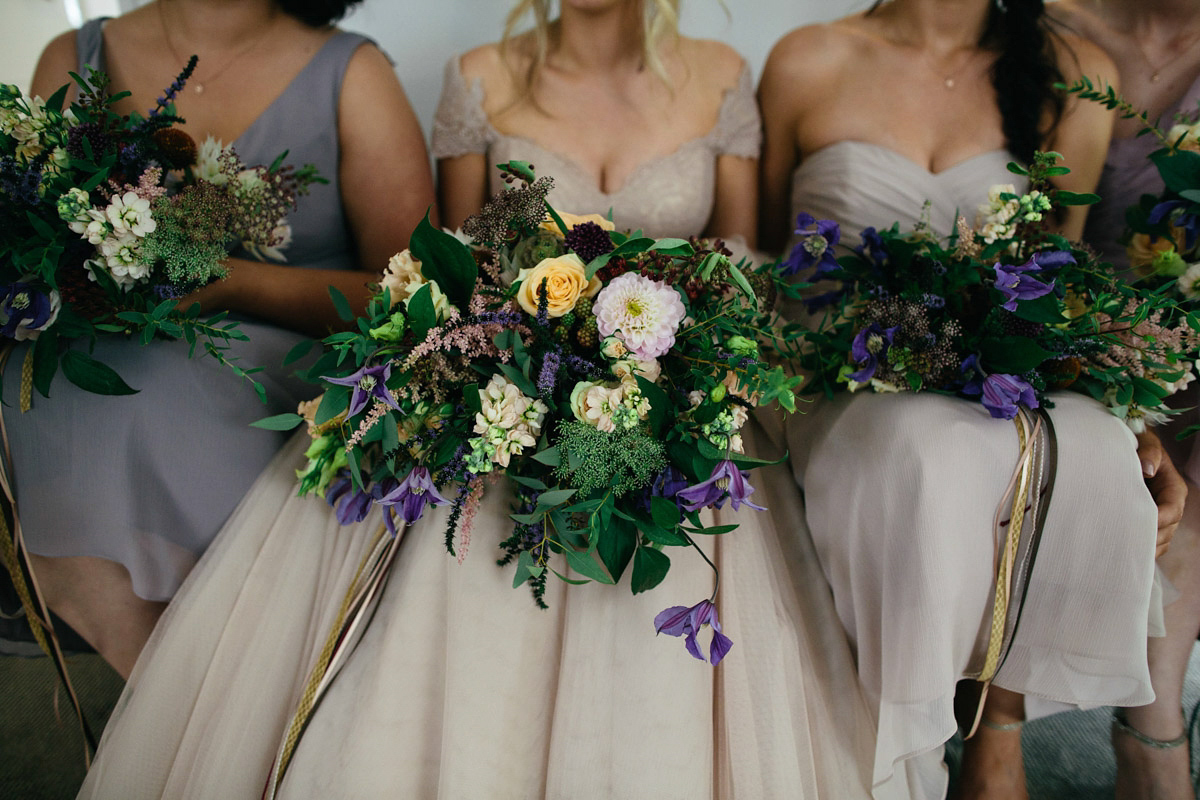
1189 222
869 344
687 622
351 505
667 483
726 481
872 247
815 248
368 382
1003 393
25 311
411 496
1017 283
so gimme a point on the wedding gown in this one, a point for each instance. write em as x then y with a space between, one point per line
461 687
147 480
900 492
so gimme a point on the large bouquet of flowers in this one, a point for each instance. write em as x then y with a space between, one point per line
605 374
1001 315
107 220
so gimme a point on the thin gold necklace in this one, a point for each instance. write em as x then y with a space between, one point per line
1176 48
197 85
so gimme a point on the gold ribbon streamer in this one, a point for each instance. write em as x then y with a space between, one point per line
13 552
363 591
1020 485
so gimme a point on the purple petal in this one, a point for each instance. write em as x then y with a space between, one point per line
672 621
720 646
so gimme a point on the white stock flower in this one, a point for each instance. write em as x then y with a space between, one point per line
122 256
130 213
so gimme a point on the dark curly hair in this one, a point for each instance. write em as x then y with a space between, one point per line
1024 74
317 13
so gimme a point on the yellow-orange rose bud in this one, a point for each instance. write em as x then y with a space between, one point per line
571 220
565 282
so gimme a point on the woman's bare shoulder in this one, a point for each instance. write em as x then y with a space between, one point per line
815 53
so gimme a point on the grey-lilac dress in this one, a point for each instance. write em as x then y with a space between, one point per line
900 493
460 686
147 480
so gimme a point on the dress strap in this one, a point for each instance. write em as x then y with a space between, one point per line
738 131
460 125
89 45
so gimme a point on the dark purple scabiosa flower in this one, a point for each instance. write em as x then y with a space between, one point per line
1019 283
726 481
687 622
869 345
588 241
1189 222
815 248
368 382
26 311
1002 394
411 496
350 504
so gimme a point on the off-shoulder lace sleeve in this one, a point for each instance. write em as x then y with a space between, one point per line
739 127
460 126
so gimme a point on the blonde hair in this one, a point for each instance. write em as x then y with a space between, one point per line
660 22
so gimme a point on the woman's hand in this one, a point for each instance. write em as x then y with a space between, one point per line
1166 485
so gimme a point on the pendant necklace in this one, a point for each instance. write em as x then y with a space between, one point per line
196 85
1175 48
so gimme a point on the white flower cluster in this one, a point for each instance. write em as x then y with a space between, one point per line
616 405
116 230
722 432
1005 209
507 423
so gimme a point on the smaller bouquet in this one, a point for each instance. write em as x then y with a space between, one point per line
106 221
606 375
1000 315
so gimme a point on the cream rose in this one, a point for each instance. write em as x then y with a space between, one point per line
401 270
565 282
571 220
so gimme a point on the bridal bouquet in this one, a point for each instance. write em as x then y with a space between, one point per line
1001 315
107 220
605 374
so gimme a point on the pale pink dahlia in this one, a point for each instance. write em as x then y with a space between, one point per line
642 313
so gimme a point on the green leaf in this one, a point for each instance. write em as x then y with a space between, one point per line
58 98
45 361
554 497
714 530
1046 309
421 313
298 352
525 569
565 579
665 512
741 282
279 422
668 536
673 247
43 228
616 547
446 260
650 566
551 457
1066 198
660 404
1012 354
391 433
341 304
585 565
1180 169
532 483
335 400
90 375
515 375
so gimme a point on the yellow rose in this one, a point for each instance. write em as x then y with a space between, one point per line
565 282
571 220
1143 249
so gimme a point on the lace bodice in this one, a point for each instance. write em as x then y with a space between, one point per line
670 195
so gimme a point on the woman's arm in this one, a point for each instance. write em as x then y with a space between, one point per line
1084 132
735 208
386 186
777 97
462 187
56 61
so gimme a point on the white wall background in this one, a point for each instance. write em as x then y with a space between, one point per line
420 35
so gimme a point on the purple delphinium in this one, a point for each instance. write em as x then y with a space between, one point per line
1003 393
25 311
687 622
350 504
1018 283
549 373
726 481
368 382
869 345
411 496
872 247
815 248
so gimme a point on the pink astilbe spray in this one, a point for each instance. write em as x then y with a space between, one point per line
470 509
